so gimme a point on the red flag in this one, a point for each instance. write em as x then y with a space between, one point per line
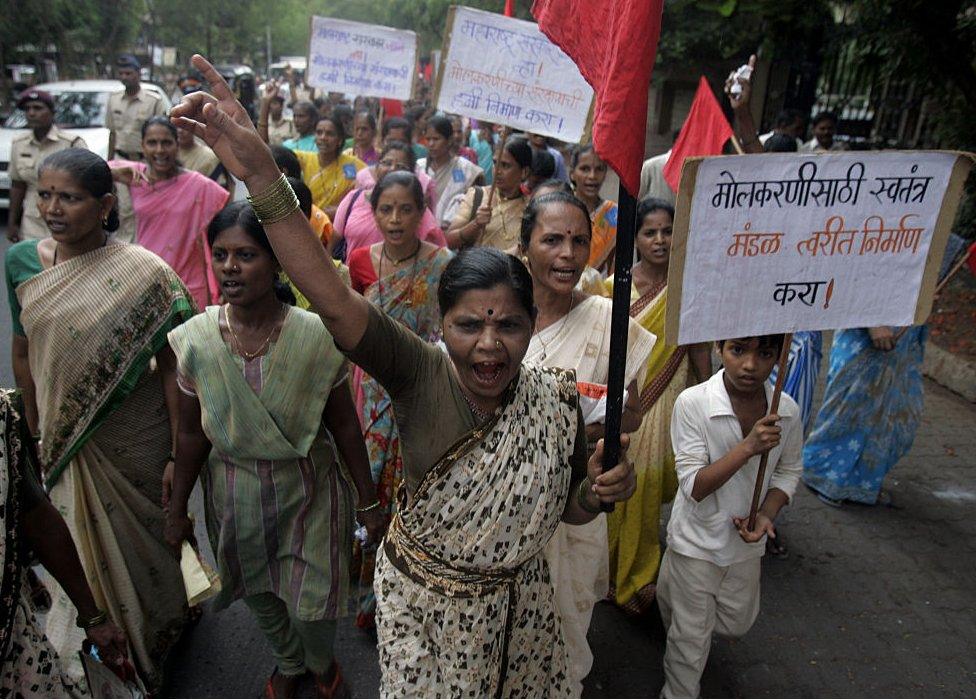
614 43
704 133
509 8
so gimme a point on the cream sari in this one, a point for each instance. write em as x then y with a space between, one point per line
466 554
578 554
93 323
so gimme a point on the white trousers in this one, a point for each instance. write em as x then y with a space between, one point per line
698 598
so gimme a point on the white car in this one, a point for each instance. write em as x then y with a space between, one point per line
79 110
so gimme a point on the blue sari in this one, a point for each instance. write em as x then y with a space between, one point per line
871 409
802 370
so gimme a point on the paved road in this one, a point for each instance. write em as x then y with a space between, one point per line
871 602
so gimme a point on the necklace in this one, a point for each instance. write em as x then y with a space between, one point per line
480 415
57 247
237 341
408 301
400 261
545 345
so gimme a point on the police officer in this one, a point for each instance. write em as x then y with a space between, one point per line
26 153
129 109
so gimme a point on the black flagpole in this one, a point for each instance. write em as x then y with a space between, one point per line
619 323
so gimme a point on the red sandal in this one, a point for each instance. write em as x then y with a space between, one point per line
329 691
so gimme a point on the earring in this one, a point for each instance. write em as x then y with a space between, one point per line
525 260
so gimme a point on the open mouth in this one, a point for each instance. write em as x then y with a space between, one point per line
231 286
564 274
487 373
55 226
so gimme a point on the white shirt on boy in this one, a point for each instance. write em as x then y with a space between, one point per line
704 428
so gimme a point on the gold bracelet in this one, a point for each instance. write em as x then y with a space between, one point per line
99 618
372 506
275 203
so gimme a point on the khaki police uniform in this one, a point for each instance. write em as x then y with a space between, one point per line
126 115
26 156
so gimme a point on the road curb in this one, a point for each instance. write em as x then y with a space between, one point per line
952 372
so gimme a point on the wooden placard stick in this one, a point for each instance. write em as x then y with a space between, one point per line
784 357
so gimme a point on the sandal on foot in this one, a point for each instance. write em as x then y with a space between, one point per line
269 691
330 690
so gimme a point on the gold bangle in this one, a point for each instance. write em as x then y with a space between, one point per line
372 506
581 497
275 203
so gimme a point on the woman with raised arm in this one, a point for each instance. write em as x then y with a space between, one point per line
494 453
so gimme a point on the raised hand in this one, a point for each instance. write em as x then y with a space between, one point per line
223 123
741 100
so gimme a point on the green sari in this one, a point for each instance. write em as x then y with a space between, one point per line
279 505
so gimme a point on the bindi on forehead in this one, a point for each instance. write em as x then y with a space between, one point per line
491 312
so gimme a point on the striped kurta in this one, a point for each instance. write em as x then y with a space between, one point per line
279 505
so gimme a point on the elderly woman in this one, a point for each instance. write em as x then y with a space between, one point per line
572 332
494 452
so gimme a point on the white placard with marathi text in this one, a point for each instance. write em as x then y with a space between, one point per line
504 70
784 242
361 59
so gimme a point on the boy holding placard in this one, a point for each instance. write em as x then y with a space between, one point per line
709 579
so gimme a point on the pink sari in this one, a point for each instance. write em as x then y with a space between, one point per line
171 221
358 227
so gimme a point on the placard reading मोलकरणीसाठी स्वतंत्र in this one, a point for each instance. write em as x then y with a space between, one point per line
361 59
505 71
779 243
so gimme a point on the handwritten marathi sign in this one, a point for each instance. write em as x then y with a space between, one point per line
361 59
781 242
506 71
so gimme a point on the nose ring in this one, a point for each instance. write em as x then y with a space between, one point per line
498 345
